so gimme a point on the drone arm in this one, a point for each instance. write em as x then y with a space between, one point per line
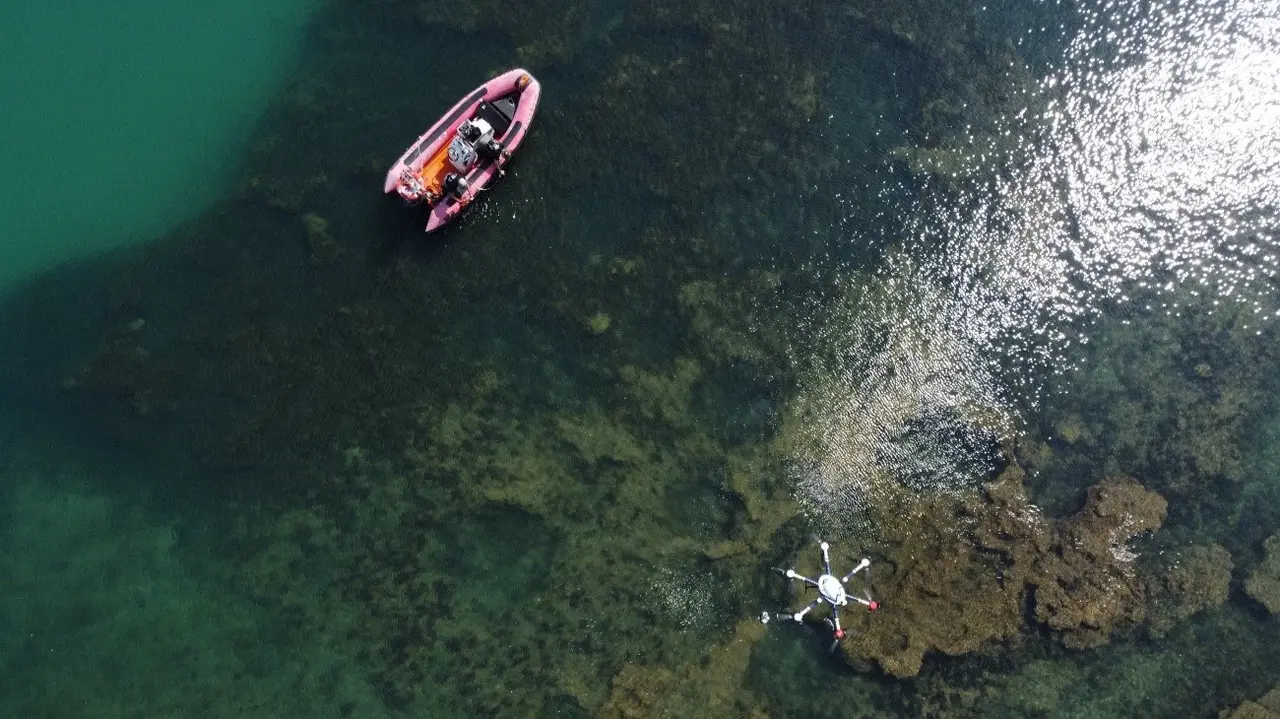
799 616
864 564
791 574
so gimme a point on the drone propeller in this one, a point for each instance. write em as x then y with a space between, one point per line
869 602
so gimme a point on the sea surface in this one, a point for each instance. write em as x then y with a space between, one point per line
988 294
123 119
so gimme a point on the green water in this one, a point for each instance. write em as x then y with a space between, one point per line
121 119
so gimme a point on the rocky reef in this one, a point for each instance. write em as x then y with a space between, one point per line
1264 583
1186 581
963 571
710 686
381 553
1089 584
1265 707
1171 398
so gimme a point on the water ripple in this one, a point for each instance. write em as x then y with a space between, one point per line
1147 165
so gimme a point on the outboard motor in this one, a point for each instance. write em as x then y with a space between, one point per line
471 134
479 131
462 154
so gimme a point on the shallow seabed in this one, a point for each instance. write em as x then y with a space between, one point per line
986 293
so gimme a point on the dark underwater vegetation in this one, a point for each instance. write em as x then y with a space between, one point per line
984 293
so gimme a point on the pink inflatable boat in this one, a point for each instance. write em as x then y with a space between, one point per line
450 164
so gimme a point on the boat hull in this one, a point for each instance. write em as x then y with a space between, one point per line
417 161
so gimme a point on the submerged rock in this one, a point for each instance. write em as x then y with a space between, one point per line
713 685
1267 707
957 577
1088 583
962 571
1264 584
1192 579
320 243
598 323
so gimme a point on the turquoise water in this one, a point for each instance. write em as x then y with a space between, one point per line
920 279
123 119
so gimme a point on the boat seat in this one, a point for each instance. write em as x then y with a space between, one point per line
498 114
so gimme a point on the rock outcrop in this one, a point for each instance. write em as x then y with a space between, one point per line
963 569
1264 584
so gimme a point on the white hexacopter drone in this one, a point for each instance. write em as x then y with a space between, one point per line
830 590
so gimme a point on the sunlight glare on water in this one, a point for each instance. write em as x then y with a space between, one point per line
1150 162
1172 160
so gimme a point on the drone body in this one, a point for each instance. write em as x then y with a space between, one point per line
831 590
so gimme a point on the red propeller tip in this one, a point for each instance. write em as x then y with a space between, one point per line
871 607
